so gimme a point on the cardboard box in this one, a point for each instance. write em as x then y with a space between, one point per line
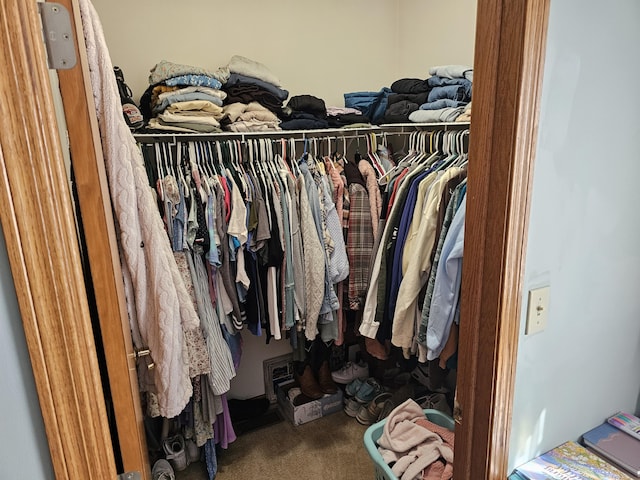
299 414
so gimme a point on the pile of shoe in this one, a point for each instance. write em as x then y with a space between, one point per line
179 454
369 400
364 400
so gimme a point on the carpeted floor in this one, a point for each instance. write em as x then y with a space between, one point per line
330 447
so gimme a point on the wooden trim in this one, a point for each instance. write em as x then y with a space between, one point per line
35 204
38 222
510 40
102 250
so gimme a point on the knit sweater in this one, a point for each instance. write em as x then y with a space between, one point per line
157 296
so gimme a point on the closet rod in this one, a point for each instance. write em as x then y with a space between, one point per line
412 127
275 134
173 138
333 133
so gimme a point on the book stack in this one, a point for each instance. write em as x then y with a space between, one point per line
618 441
611 451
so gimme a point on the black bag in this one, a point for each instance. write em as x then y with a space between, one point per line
130 110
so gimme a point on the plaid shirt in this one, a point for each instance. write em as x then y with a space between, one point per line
359 245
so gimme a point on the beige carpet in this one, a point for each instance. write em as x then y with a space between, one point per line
330 447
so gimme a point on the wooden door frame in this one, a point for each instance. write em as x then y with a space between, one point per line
510 41
38 221
102 250
508 67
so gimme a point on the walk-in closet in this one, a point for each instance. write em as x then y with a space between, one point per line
245 327
256 325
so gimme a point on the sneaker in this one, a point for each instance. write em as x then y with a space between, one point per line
351 407
350 372
370 413
353 387
162 471
174 449
369 390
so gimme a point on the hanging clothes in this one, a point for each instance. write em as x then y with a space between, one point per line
418 192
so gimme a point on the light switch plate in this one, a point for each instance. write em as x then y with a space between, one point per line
537 310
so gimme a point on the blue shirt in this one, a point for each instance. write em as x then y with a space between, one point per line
446 290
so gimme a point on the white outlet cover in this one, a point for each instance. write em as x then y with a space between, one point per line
537 310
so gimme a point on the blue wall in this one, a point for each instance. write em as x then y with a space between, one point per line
24 452
584 232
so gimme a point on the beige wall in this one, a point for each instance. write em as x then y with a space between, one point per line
322 48
435 32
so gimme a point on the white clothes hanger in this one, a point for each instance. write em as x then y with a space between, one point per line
159 171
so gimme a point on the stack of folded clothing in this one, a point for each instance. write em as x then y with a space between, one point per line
251 117
251 81
465 116
304 112
339 117
408 94
200 116
449 94
183 98
371 104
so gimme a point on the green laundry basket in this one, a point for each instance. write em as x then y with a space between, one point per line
374 432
